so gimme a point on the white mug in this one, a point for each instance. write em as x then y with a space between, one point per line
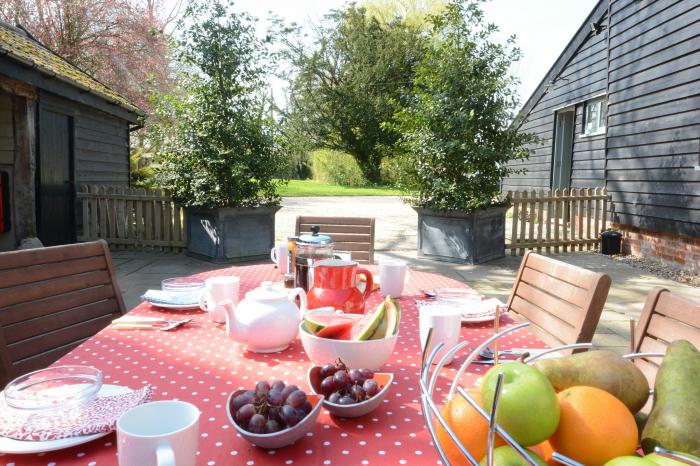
216 291
446 322
278 254
160 433
392 276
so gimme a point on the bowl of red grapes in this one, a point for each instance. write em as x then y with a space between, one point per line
349 392
273 415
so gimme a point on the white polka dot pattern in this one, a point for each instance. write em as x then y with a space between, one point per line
198 363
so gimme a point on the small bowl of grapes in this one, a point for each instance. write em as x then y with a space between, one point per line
349 392
273 415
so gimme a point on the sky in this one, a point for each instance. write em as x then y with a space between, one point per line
543 27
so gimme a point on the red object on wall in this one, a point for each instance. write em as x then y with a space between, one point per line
5 224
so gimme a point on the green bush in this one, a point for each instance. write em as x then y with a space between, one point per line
335 167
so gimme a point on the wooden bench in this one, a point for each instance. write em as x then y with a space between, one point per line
563 302
664 319
353 234
51 300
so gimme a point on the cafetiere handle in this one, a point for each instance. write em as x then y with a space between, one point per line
368 280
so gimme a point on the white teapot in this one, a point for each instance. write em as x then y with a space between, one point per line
267 320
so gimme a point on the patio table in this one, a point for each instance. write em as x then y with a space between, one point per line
200 364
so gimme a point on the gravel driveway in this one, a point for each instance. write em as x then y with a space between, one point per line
396 222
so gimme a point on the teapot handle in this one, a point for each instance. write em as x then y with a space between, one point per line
302 297
368 280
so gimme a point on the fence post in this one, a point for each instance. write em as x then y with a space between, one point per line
514 231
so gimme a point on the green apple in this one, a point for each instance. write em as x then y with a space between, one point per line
507 456
528 408
663 461
630 461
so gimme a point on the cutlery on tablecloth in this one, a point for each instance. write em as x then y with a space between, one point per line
149 324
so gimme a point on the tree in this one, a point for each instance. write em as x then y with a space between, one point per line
120 42
456 131
412 12
345 88
214 134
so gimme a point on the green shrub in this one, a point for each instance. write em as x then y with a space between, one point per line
335 167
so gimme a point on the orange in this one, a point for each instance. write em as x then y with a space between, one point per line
544 450
471 429
594 426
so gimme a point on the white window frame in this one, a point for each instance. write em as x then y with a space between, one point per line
598 127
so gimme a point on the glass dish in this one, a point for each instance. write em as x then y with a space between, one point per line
182 284
54 388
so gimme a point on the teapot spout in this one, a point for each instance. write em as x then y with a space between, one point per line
234 328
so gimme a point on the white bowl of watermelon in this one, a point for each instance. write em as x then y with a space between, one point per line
360 340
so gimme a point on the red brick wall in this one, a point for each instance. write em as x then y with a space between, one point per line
682 251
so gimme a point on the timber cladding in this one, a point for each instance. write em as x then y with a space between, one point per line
644 59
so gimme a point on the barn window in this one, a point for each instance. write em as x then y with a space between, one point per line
594 116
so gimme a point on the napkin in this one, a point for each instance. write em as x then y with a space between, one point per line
181 298
99 416
485 308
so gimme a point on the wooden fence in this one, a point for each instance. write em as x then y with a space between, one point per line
131 217
563 219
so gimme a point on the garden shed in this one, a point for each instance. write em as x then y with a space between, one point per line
620 109
60 128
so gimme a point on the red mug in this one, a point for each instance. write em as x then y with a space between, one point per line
335 284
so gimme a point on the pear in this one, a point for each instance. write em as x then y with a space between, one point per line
674 421
601 369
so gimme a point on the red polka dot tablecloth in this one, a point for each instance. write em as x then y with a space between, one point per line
200 364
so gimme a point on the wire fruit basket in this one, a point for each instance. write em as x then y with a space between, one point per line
431 413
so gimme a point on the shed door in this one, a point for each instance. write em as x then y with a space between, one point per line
563 148
55 218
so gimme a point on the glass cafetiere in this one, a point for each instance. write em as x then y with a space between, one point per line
310 248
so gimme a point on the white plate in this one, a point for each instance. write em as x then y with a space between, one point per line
175 307
12 446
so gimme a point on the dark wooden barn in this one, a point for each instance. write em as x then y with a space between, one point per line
59 128
620 109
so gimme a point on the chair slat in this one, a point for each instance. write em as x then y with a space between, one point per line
561 270
670 330
572 294
330 229
353 234
553 304
540 317
52 299
334 220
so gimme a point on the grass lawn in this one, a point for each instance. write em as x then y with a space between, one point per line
299 188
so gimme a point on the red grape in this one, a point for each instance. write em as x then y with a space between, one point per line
261 389
274 397
328 385
341 379
296 399
356 377
327 370
368 374
346 400
307 407
289 416
244 414
257 424
334 397
272 426
289 389
277 385
357 393
371 387
241 400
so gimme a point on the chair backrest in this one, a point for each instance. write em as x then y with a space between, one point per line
563 301
353 234
664 319
51 300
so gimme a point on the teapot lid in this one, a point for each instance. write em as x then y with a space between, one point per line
267 292
314 239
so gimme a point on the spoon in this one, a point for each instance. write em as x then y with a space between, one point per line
429 293
171 324
487 353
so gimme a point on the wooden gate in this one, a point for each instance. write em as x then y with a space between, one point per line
563 219
131 217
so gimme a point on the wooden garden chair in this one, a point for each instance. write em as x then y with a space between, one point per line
562 301
664 319
352 234
51 300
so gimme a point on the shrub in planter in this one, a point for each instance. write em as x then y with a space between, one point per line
216 154
457 137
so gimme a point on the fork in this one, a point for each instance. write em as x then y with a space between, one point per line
148 323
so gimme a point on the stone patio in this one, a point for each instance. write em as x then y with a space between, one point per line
396 238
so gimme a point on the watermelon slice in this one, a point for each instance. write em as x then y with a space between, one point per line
393 312
372 326
339 330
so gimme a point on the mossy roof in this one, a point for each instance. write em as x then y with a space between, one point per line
16 44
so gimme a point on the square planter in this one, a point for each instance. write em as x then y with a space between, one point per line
229 235
460 237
